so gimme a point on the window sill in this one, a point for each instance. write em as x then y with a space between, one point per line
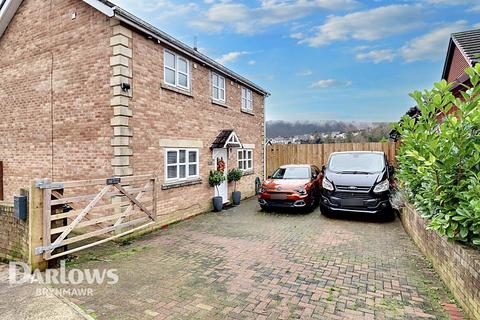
248 172
177 90
248 112
219 103
179 184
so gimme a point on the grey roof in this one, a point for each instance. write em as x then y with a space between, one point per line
221 139
141 24
468 42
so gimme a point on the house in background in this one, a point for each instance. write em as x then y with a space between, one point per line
463 52
91 91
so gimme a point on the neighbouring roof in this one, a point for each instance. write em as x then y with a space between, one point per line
9 7
226 138
468 42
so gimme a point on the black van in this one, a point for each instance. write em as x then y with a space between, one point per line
357 181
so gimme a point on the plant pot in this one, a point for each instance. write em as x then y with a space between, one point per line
236 196
217 204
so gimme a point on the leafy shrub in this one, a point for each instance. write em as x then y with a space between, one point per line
234 175
440 163
215 179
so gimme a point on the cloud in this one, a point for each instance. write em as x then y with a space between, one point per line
475 8
376 56
167 8
297 35
231 56
450 2
252 62
431 45
244 19
368 25
328 83
305 73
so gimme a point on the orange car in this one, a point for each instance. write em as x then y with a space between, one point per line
291 186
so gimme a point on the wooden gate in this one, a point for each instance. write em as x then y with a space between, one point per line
81 214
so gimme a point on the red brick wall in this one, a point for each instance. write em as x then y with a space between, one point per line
53 62
457 265
457 65
163 114
13 235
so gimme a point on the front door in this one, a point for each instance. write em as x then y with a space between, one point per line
220 157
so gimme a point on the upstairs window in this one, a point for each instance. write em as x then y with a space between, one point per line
218 87
247 100
176 70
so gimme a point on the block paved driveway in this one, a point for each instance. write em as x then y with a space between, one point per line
246 264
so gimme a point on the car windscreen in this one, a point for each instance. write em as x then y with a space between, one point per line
292 173
356 162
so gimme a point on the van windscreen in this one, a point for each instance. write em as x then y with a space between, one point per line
356 162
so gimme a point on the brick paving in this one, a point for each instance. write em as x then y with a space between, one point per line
245 264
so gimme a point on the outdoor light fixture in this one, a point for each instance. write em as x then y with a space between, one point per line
125 87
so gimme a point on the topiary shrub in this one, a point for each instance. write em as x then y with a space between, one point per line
439 164
234 175
215 179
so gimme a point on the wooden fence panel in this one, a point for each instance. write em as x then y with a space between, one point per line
318 154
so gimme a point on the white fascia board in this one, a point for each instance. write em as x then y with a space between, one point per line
6 14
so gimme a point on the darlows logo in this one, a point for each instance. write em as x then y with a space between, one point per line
20 273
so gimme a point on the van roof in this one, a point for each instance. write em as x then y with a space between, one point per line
347 152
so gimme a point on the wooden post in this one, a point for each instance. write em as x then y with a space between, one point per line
35 228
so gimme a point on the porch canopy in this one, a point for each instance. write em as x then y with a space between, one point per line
226 139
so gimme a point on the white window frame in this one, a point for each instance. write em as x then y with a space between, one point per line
218 87
177 72
242 161
178 164
247 99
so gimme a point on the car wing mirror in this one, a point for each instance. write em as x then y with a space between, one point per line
324 168
391 170
269 177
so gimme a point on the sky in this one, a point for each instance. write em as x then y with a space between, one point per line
346 60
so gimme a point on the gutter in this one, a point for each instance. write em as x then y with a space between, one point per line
162 37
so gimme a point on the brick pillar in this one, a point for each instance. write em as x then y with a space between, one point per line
121 64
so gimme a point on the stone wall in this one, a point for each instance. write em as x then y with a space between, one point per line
457 265
13 235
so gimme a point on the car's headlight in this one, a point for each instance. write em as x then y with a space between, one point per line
382 186
262 190
301 191
327 185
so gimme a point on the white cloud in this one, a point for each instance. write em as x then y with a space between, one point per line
231 56
376 56
297 35
450 2
244 19
328 83
252 62
368 25
475 8
305 73
431 45
167 8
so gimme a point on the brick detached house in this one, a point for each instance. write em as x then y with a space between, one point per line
90 91
463 52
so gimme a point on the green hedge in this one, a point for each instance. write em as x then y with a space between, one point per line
439 164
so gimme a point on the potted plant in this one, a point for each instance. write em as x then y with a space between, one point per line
235 175
215 179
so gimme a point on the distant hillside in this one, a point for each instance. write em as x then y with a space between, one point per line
289 129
